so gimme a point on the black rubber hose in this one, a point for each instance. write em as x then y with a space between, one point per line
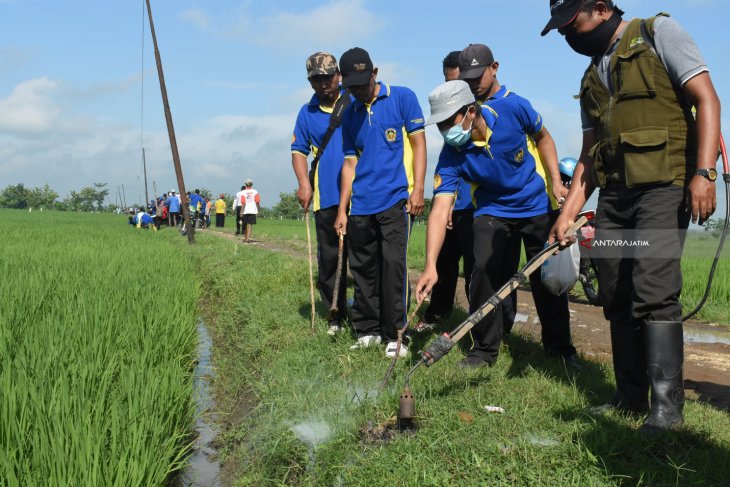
726 178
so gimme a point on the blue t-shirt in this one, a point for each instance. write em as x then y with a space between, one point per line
194 200
312 123
173 204
463 195
377 135
146 219
504 169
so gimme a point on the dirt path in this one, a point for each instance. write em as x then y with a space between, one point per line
707 346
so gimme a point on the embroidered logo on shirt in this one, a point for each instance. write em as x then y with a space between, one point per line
636 41
520 156
436 181
390 135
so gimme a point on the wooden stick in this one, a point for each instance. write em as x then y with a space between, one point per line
401 332
311 271
338 278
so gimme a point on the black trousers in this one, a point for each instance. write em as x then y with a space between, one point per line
220 220
497 243
377 246
327 251
647 283
239 215
458 243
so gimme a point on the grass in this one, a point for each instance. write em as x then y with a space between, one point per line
311 396
97 344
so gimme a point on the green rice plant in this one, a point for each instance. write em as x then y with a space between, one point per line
97 347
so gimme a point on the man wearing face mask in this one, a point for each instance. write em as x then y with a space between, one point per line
458 241
523 150
382 184
654 164
310 128
511 204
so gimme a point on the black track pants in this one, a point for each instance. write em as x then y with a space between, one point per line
647 286
377 246
496 251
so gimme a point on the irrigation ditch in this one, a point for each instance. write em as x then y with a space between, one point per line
203 467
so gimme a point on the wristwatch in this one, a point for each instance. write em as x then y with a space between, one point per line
710 174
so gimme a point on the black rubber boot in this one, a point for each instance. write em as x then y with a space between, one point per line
665 354
629 366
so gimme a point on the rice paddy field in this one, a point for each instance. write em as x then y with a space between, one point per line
97 347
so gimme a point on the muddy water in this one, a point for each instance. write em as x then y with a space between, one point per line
699 335
203 467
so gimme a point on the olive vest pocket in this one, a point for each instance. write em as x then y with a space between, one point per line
636 73
646 156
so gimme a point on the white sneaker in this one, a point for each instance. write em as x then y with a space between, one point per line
366 341
391 348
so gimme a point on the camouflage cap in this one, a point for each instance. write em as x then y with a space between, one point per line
321 63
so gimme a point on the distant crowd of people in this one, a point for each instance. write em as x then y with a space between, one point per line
166 210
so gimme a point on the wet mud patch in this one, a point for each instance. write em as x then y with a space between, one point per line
373 433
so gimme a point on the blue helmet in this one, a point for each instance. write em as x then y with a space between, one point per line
566 166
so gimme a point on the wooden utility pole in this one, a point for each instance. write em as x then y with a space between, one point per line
171 133
144 167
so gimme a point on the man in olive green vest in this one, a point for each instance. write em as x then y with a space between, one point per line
654 164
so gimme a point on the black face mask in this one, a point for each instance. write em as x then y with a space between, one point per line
595 42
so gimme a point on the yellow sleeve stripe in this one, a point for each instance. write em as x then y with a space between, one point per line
416 131
299 152
444 194
351 157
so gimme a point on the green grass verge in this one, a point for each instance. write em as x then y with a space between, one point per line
296 402
97 346
696 262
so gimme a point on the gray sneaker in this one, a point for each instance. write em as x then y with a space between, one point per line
366 341
334 328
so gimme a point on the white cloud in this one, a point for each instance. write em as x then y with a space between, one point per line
29 110
47 138
196 17
337 22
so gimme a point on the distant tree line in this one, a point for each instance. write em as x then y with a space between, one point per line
90 198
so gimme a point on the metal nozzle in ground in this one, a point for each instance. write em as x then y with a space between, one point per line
407 406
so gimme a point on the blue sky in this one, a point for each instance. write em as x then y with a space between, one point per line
79 95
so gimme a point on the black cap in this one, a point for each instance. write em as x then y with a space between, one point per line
562 13
473 60
355 67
